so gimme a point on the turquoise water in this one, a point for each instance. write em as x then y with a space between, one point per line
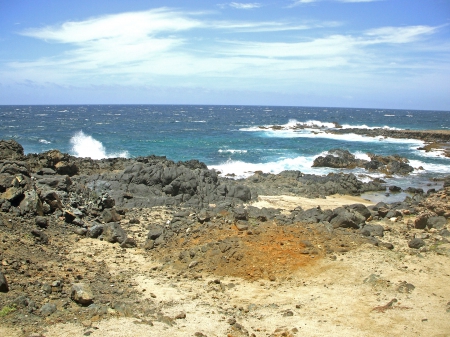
227 138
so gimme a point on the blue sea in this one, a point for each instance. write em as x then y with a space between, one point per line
227 138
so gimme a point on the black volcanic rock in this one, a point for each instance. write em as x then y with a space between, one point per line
338 158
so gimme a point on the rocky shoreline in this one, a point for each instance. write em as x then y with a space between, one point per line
435 140
95 243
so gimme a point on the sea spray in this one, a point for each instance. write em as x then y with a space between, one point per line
86 146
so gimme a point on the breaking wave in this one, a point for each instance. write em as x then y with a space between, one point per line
86 146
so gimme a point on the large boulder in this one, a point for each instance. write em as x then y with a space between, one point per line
10 149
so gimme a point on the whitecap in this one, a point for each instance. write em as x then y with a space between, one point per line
44 141
232 151
429 167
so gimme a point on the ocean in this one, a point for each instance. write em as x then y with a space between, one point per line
226 138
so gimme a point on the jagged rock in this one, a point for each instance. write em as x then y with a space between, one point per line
52 199
31 203
110 215
113 232
10 149
338 158
56 182
66 168
69 216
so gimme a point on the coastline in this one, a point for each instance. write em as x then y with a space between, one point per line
172 248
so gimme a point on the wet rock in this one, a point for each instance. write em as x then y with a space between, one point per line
4 288
81 293
338 158
416 243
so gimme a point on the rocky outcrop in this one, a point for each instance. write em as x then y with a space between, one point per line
389 165
309 185
11 150
338 158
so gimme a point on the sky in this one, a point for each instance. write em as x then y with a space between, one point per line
327 53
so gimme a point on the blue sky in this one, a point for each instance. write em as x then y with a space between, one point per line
350 53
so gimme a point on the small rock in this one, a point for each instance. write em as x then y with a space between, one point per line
41 236
387 245
193 264
181 315
82 294
231 321
128 243
41 221
3 283
47 309
416 243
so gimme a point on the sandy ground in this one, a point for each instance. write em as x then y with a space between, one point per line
342 294
288 202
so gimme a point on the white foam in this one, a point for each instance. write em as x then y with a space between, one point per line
243 169
361 155
430 167
352 137
44 141
232 151
86 146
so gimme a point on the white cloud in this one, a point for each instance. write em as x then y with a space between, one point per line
134 24
165 47
300 2
240 5
400 34
358 0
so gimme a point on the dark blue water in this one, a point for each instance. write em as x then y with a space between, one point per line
224 137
